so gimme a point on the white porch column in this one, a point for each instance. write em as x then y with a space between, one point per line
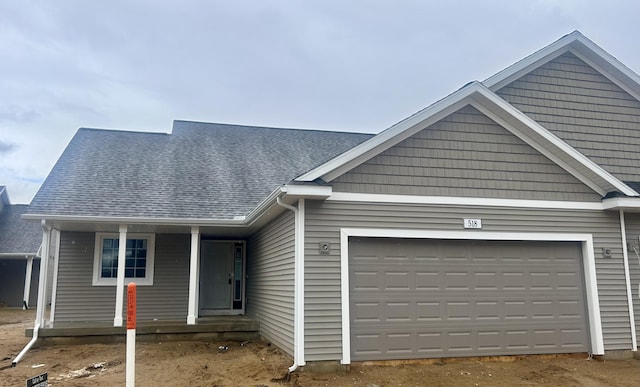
54 285
44 268
193 275
27 282
122 250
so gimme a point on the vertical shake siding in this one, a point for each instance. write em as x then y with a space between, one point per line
322 272
465 154
78 300
633 241
585 109
270 283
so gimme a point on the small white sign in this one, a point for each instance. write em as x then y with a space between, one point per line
473 223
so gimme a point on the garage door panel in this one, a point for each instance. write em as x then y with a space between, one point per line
465 298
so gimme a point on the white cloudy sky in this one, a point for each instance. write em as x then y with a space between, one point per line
354 65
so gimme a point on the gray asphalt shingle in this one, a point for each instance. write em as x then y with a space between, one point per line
200 170
18 236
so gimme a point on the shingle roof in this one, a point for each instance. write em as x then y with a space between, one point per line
17 235
201 170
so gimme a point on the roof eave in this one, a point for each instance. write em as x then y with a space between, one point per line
622 203
290 194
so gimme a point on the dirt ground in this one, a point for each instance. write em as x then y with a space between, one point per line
259 364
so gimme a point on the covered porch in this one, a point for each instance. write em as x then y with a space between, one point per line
213 328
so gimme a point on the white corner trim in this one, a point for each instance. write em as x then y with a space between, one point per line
463 201
193 275
344 296
54 286
300 299
627 280
591 289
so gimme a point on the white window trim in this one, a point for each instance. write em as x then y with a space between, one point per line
97 257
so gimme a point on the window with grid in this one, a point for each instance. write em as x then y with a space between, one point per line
138 259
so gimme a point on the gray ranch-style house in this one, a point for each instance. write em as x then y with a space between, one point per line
19 255
503 219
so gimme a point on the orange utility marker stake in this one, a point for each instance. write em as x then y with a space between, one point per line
131 334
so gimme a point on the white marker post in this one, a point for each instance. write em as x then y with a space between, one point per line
131 334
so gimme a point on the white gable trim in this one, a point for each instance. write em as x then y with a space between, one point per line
589 270
583 48
483 99
568 164
389 137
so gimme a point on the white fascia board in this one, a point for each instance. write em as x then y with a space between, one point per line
136 220
490 103
293 191
525 65
629 204
583 48
464 201
389 137
307 191
607 65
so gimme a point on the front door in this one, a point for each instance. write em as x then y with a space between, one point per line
221 278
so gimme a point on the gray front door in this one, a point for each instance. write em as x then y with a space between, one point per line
414 298
221 277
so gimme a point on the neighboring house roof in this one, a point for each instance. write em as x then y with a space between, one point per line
199 171
4 196
18 236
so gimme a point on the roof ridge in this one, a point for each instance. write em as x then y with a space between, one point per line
265 127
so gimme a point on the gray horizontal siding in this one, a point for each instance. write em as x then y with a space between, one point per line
322 272
78 300
270 283
585 109
168 298
465 154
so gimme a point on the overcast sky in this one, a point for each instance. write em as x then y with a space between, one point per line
352 65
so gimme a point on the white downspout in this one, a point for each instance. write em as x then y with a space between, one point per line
27 283
42 291
627 279
298 318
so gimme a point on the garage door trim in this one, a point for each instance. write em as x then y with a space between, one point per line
593 305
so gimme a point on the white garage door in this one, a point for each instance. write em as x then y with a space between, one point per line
421 298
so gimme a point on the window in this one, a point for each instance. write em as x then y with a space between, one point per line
138 259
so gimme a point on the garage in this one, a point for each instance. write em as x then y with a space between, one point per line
426 298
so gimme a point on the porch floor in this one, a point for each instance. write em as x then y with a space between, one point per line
206 328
